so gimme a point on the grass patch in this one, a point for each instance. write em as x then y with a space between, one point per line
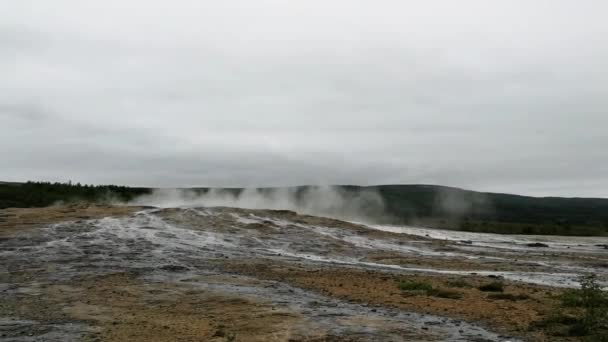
414 286
508 296
459 283
571 299
423 288
495 286
582 313
593 302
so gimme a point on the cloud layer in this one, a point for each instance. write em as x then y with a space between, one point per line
499 96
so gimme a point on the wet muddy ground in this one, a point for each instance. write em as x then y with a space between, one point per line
225 274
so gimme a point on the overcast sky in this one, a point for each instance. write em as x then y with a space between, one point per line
508 96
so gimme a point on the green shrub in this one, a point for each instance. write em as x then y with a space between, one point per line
571 299
460 283
492 287
582 313
593 303
415 286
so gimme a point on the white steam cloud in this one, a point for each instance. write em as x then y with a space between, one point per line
328 201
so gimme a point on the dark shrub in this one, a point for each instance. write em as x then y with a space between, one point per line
492 287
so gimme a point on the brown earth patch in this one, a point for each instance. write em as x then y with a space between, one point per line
133 311
381 288
13 220
295 218
124 308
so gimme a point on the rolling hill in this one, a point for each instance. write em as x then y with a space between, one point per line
427 205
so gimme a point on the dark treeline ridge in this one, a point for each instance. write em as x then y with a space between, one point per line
42 194
453 208
424 205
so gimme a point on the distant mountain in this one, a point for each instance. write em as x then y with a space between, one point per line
10 183
425 205
447 207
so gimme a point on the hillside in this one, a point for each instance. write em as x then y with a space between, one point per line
42 194
427 205
446 207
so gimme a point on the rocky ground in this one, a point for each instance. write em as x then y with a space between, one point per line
94 273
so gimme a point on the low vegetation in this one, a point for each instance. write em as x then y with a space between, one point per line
42 194
495 286
593 305
582 313
414 286
453 208
460 283
508 296
422 288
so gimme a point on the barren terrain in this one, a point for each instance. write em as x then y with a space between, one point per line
94 273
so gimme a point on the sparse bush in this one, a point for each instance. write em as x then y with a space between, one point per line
415 286
492 287
594 305
571 299
460 283
583 313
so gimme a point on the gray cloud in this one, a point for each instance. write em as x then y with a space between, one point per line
507 96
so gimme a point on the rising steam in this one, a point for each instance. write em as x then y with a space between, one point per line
329 201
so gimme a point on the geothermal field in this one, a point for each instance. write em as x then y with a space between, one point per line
303 171
208 273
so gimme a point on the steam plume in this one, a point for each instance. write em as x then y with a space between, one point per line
329 201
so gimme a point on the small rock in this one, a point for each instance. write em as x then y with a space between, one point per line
494 276
537 244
